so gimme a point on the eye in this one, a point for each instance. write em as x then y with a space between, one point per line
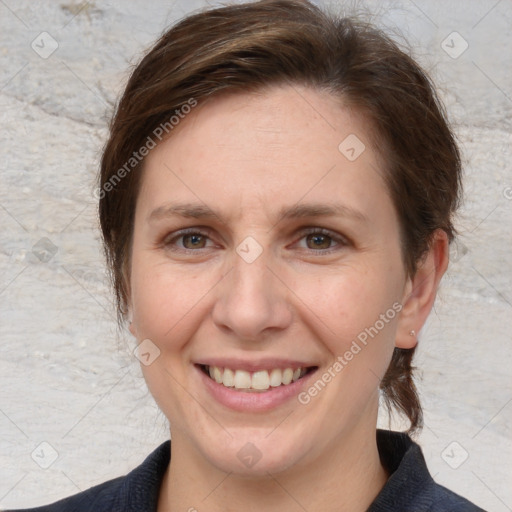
187 240
318 241
196 241
322 240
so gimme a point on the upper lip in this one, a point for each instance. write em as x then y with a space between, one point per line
253 365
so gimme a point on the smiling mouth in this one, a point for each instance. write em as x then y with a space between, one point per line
259 381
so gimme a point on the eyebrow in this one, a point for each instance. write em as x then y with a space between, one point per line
187 210
201 211
320 210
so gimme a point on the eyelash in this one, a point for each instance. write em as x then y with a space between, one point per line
338 239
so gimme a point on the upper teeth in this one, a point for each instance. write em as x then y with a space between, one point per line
263 379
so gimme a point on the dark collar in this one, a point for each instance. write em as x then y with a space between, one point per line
409 482
409 487
141 487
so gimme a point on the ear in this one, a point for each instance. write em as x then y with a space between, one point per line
127 293
420 290
132 328
129 317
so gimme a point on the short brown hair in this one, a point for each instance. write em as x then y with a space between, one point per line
271 42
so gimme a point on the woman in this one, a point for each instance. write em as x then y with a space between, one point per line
276 202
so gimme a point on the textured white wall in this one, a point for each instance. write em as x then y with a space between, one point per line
67 380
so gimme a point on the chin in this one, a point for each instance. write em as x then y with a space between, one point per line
256 453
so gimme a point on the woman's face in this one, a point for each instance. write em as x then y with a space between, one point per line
290 259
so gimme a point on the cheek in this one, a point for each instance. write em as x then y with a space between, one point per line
166 300
355 304
168 306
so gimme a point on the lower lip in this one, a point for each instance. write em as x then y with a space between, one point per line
253 401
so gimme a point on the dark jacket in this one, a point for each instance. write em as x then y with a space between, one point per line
410 487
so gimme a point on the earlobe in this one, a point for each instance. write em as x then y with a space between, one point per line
129 317
420 291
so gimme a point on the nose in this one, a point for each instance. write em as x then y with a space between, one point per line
252 302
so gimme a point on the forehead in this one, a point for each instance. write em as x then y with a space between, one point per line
276 145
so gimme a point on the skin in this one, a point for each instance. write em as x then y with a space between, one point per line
245 156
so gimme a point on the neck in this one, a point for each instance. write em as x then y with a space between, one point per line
347 476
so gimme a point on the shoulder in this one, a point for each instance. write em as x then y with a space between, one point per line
410 486
99 498
445 500
136 491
